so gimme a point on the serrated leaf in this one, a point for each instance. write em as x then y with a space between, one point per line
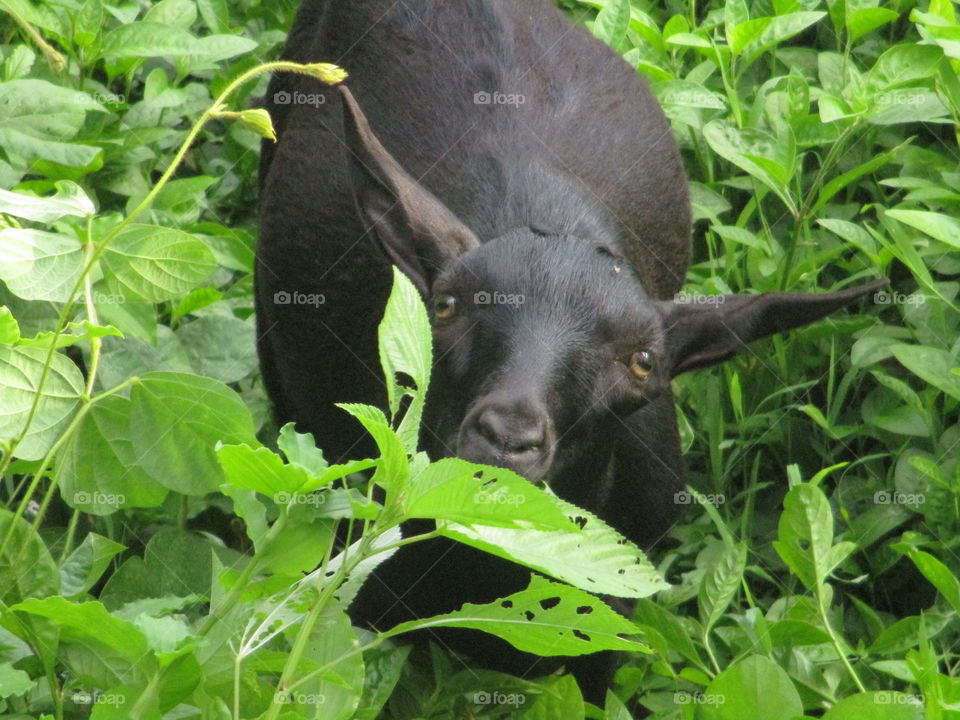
406 348
464 492
547 618
597 559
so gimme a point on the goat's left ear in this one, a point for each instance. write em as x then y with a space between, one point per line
701 334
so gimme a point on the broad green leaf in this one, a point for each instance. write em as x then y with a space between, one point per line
87 563
9 327
547 618
597 558
806 536
96 469
720 585
904 63
467 493
20 373
880 705
906 105
176 422
69 200
676 630
865 20
781 28
38 265
223 348
147 39
406 350
615 709
941 227
13 681
931 365
735 14
383 668
158 263
687 94
743 147
755 688
828 191
748 33
26 567
117 646
261 470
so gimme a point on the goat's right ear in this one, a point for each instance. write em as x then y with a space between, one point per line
417 231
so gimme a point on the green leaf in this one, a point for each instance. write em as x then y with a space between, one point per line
904 63
115 643
770 160
20 373
176 422
341 687
612 22
221 347
9 327
906 105
301 450
941 227
931 365
828 191
69 200
806 536
755 688
261 470
865 20
147 39
158 263
12 681
781 28
73 333
464 492
38 265
939 576
26 567
393 472
87 563
597 558
547 618
720 584
405 348
882 705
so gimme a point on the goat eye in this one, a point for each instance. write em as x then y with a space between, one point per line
641 364
444 307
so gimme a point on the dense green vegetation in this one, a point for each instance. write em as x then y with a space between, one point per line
158 556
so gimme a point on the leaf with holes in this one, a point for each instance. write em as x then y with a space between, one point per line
547 618
597 558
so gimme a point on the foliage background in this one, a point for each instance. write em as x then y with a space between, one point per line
821 140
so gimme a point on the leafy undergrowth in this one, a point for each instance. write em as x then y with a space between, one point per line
815 572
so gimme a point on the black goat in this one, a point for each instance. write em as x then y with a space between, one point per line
524 177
